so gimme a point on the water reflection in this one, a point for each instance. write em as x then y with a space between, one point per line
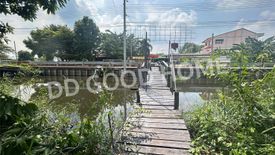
195 92
84 103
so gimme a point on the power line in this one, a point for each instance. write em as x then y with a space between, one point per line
201 4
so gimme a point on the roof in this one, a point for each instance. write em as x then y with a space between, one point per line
259 34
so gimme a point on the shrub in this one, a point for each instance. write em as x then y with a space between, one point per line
240 121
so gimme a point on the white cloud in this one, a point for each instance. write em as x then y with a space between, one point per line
104 20
91 6
265 25
268 15
23 28
231 4
107 16
174 17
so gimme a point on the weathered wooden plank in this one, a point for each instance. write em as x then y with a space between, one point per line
164 126
153 115
165 144
161 125
163 99
160 130
159 100
158 151
159 115
160 136
163 111
156 104
163 131
167 121
157 107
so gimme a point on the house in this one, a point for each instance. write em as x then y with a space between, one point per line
228 39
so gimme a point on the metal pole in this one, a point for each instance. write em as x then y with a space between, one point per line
131 50
147 54
185 34
169 53
15 50
124 54
212 48
138 96
124 34
176 106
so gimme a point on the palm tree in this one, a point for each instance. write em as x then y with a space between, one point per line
257 50
145 47
190 48
4 50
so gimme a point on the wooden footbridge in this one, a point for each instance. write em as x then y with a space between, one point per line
160 129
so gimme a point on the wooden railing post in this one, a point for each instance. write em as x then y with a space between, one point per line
138 96
169 77
176 105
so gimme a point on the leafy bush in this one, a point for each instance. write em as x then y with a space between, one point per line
38 127
39 135
30 130
12 109
240 121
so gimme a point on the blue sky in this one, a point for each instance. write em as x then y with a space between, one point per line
200 18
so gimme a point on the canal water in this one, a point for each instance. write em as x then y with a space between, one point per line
193 93
84 102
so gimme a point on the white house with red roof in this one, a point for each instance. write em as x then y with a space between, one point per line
228 39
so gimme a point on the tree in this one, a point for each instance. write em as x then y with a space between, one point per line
190 48
112 45
65 50
27 10
133 46
86 40
4 50
145 47
257 50
24 56
54 40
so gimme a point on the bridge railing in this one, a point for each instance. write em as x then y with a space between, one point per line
83 63
170 75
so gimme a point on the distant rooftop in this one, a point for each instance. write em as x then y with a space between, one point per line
258 34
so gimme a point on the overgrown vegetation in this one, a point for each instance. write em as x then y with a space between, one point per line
35 127
84 42
240 120
4 51
190 48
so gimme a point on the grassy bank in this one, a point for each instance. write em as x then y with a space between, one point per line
36 127
240 121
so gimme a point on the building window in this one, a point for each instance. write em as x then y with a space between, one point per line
219 41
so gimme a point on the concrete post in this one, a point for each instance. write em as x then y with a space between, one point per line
138 96
169 77
176 105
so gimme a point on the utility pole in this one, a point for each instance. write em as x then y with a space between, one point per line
146 54
15 52
169 53
212 47
124 35
131 49
185 34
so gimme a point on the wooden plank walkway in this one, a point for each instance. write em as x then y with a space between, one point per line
160 129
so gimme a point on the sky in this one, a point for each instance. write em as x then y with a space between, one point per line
178 20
